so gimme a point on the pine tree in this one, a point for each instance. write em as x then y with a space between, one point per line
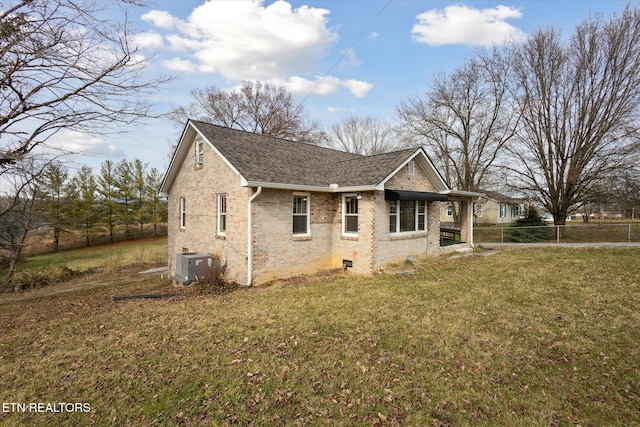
83 198
107 191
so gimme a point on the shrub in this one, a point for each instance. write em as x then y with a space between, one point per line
530 229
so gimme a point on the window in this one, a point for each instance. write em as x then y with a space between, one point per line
479 208
517 211
412 167
183 213
350 214
449 210
393 216
503 210
300 214
222 214
199 152
407 216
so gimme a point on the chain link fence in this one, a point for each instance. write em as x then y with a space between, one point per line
586 233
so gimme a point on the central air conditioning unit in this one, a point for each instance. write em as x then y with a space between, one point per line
191 267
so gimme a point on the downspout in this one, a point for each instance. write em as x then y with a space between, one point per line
473 202
250 237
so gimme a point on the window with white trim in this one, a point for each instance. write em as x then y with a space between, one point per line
517 211
350 214
301 219
183 212
412 167
407 216
503 210
222 214
449 210
479 209
199 152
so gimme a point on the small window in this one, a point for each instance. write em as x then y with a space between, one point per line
517 211
350 215
183 213
412 167
199 152
479 209
449 210
301 214
503 210
222 214
393 216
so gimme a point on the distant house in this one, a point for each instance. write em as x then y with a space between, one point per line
498 209
269 207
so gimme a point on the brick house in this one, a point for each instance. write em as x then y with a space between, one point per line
269 207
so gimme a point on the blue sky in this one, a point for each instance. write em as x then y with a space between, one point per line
340 57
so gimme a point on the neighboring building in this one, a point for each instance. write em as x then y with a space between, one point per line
270 207
498 209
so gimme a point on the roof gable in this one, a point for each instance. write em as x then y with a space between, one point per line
267 161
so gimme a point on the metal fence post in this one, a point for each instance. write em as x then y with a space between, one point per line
629 237
557 234
501 235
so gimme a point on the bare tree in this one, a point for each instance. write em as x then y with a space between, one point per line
64 66
256 107
19 212
465 120
367 136
579 104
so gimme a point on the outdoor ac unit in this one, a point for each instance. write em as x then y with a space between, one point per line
193 266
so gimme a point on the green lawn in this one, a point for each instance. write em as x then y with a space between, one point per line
142 251
523 337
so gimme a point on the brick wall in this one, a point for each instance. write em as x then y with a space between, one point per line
277 252
396 247
200 185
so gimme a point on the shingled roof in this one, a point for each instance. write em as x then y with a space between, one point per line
268 160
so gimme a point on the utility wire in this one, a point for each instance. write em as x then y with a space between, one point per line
346 51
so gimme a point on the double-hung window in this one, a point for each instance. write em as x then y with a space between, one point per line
222 214
301 214
350 214
503 210
183 213
407 216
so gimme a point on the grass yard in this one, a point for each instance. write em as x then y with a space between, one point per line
113 255
523 337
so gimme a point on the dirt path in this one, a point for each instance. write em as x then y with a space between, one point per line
128 276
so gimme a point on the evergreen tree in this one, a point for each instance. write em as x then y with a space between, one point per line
53 187
107 191
125 191
155 208
83 195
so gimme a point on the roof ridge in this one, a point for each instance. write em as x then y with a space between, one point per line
277 138
379 154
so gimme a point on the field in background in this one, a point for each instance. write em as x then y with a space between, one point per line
604 232
522 337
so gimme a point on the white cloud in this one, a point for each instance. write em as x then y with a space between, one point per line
246 40
81 143
358 88
466 25
147 40
160 19
320 86
325 86
180 65
349 59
